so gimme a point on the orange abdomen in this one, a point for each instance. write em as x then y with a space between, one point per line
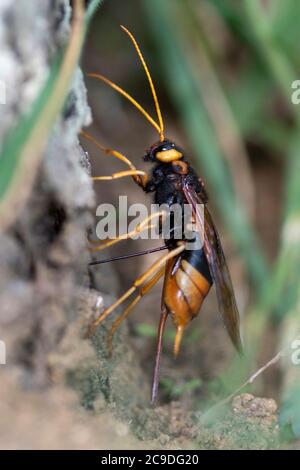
187 283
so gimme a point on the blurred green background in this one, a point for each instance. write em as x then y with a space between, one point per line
223 71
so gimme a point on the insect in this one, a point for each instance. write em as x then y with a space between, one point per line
188 274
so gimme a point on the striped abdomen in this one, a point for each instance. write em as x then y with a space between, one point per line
187 283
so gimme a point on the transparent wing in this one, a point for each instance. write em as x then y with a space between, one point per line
217 266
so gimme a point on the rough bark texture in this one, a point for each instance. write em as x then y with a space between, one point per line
59 390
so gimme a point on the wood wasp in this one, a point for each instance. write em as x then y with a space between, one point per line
188 274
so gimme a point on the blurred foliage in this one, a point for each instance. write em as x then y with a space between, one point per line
290 411
174 390
249 51
187 94
150 331
92 10
227 68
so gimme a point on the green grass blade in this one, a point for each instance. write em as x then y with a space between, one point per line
92 9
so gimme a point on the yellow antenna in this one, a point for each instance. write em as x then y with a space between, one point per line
160 119
128 96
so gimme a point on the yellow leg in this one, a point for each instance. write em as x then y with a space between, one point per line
141 227
140 178
144 290
120 174
138 282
